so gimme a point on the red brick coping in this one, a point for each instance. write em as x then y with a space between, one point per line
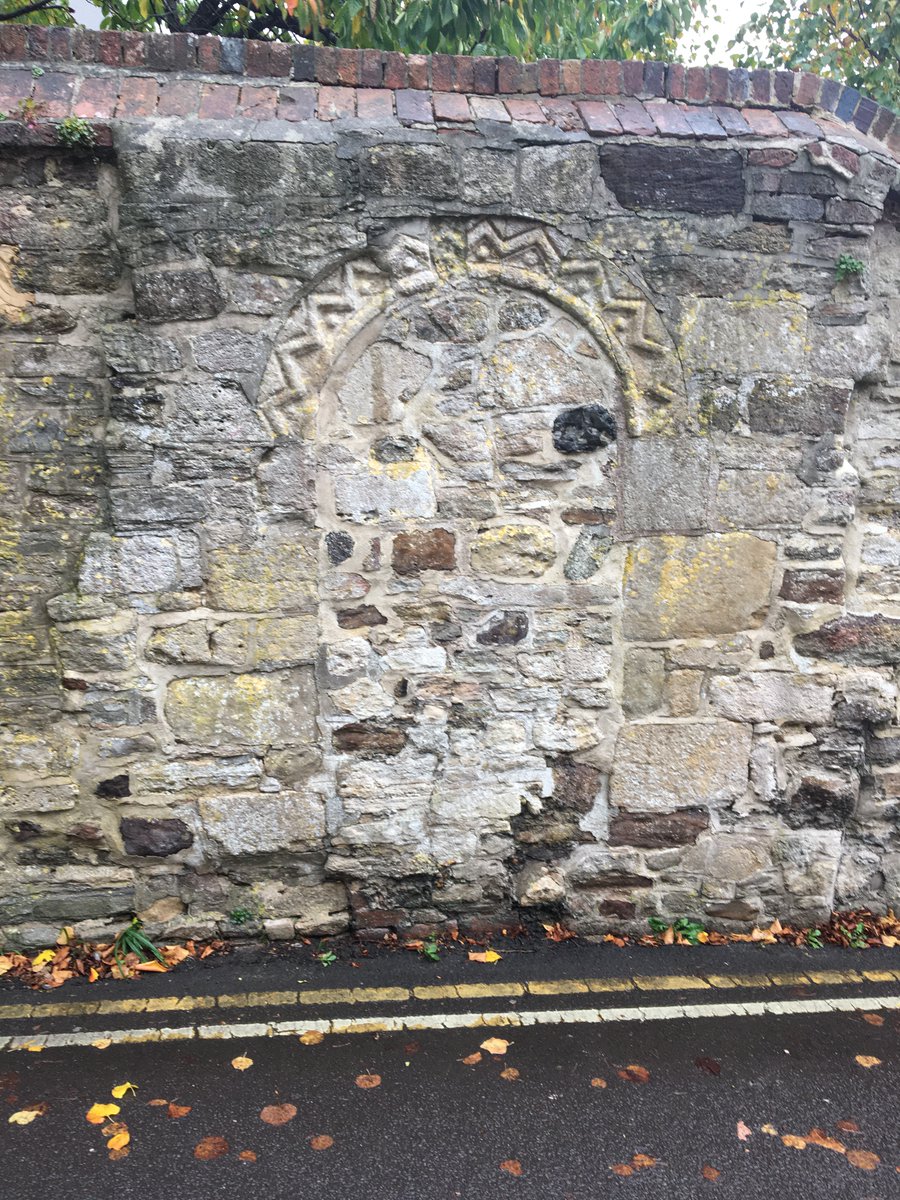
108 75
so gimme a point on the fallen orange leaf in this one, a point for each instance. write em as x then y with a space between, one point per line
598 1082
247 1156
321 1142
864 1159
794 1142
102 1043
710 1173
179 1110
312 1037
847 1126
152 965
241 1063
622 1169
873 1018
818 1137
157 1103
484 956
118 1153
509 1073
278 1114
643 1160
495 1045
512 1166
119 1140
368 1081
471 1059
211 1147
634 1073
868 1060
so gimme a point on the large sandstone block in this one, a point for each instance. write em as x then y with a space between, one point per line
144 562
276 709
513 550
658 767
275 572
683 587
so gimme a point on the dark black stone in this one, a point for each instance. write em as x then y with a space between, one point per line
675 178
766 650
505 631
358 618
154 838
395 449
819 804
589 427
339 546
114 788
24 831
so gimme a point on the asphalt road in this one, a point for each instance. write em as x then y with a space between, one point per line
438 1129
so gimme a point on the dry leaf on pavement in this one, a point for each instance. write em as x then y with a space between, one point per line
471 1059
247 1156
242 1062
512 1166
710 1174
484 956
598 1082
873 1018
211 1147
847 1126
179 1110
98 1113
321 1142
769 1129
509 1073
102 1043
122 1089
634 1073
119 1140
743 1131
368 1081
709 1065
118 1153
278 1114
622 1169
818 1137
312 1037
26 1115
794 1142
495 1045
864 1159
868 1060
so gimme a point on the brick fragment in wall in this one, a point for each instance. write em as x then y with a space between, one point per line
433 549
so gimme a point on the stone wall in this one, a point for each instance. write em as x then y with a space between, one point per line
432 493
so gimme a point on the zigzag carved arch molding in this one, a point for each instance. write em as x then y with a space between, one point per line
576 276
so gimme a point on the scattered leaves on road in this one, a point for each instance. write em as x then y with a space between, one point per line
866 1160
119 1140
247 1156
368 1081
178 1110
639 1162
471 1060
868 1060
242 1062
511 1166
818 1137
484 956
210 1148
496 1045
509 1073
710 1173
743 1131
98 1113
26 1115
312 1037
709 1065
278 1114
598 1082
321 1142
634 1073
793 1141
122 1089
873 1018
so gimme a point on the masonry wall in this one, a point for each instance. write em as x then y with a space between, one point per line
417 512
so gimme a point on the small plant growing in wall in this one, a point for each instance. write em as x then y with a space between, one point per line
76 133
848 267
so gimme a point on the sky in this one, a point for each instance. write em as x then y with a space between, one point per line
726 17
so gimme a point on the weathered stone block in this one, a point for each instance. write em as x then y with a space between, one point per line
657 831
813 587
819 803
424 550
772 696
275 572
154 838
859 639
642 682
242 710
557 178
659 766
141 563
813 408
665 484
176 294
677 587
513 551
263 823
685 179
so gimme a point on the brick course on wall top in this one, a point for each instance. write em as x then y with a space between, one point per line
443 489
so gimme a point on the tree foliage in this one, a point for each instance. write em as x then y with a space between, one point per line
529 30
856 41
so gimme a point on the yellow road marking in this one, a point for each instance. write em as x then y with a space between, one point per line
459 991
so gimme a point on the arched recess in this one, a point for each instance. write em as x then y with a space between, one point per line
469 581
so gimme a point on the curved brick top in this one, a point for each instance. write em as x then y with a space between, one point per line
140 76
